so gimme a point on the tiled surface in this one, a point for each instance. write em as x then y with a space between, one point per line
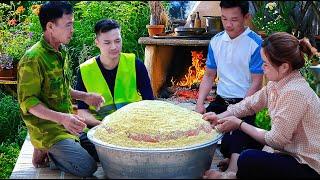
25 170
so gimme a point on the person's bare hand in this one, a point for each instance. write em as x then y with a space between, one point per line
200 108
74 123
94 99
228 124
211 117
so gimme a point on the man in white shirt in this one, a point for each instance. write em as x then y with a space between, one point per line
233 56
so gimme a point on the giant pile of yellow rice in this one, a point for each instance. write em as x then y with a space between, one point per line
154 124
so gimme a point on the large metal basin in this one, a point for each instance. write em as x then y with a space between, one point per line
185 163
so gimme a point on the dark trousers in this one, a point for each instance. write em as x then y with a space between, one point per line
89 146
237 141
260 164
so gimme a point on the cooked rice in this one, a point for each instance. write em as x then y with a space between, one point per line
154 124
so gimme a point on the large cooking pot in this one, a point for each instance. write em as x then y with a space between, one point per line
213 24
182 163
186 31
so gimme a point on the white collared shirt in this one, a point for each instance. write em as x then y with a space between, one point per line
235 60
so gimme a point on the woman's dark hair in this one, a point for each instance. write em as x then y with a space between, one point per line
53 10
243 5
105 25
282 47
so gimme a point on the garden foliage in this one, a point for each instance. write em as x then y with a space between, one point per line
11 123
14 31
274 17
12 134
8 157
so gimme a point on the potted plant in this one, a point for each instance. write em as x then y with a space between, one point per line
158 18
14 45
7 69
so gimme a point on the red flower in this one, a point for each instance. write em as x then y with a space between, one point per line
12 22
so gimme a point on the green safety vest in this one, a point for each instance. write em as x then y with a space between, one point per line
125 88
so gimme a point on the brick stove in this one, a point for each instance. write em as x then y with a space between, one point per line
167 58
161 53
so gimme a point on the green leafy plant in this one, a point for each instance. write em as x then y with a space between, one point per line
274 17
263 119
307 73
9 153
12 135
14 30
10 120
306 18
84 55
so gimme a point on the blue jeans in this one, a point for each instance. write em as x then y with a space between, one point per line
70 157
260 164
89 146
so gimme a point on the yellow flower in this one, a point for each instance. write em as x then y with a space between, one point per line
35 9
20 10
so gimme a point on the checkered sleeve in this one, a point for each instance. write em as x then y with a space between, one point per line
291 108
250 104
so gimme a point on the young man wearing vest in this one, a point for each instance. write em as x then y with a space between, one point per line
233 56
119 77
44 95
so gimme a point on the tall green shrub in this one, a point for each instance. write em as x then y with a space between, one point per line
12 135
11 123
8 157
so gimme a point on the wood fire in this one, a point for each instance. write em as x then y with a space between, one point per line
195 71
186 90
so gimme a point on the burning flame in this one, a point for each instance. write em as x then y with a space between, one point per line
195 71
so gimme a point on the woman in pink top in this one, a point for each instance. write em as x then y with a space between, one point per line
294 109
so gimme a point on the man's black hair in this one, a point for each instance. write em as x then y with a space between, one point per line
53 10
243 5
105 25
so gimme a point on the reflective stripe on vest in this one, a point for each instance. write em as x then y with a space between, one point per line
125 88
